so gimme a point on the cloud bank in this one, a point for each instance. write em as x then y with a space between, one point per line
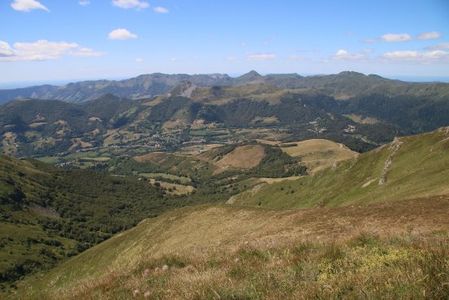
42 50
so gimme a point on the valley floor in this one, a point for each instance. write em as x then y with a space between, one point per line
385 250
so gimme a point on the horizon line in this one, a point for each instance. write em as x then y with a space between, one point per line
63 82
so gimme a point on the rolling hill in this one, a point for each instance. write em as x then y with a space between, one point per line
409 167
159 142
160 112
373 226
318 154
49 127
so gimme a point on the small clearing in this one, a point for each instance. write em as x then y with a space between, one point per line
153 157
181 179
173 188
362 120
242 157
318 154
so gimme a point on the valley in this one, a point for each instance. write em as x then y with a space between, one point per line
216 188
246 108
224 150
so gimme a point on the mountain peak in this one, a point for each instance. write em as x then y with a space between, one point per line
251 75
351 73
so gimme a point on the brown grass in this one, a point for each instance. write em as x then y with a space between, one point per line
318 154
154 157
378 251
388 250
242 157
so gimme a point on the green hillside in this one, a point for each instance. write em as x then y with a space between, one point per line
409 167
219 252
373 111
48 214
375 226
57 213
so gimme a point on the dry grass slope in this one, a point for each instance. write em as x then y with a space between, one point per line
390 250
242 157
319 154
154 157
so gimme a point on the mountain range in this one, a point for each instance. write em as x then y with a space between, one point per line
344 85
359 110
299 187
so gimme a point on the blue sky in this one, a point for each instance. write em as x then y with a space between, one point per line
49 40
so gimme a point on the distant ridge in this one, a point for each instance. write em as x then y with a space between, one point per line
343 85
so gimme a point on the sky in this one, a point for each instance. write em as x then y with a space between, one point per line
65 40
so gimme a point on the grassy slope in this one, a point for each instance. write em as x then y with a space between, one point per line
226 252
242 157
318 154
384 249
47 214
420 167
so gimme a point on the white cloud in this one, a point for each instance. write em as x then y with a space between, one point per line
396 37
139 60
160 10
84 2
436 54
86 52
405 54
442 46
433 35
42 50
343 54
121 34
261 56
126 4
418 56
5 49
27 5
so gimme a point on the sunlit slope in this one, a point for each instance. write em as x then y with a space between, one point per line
318 154
409 167
202 252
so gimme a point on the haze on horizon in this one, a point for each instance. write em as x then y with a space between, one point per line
48 41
